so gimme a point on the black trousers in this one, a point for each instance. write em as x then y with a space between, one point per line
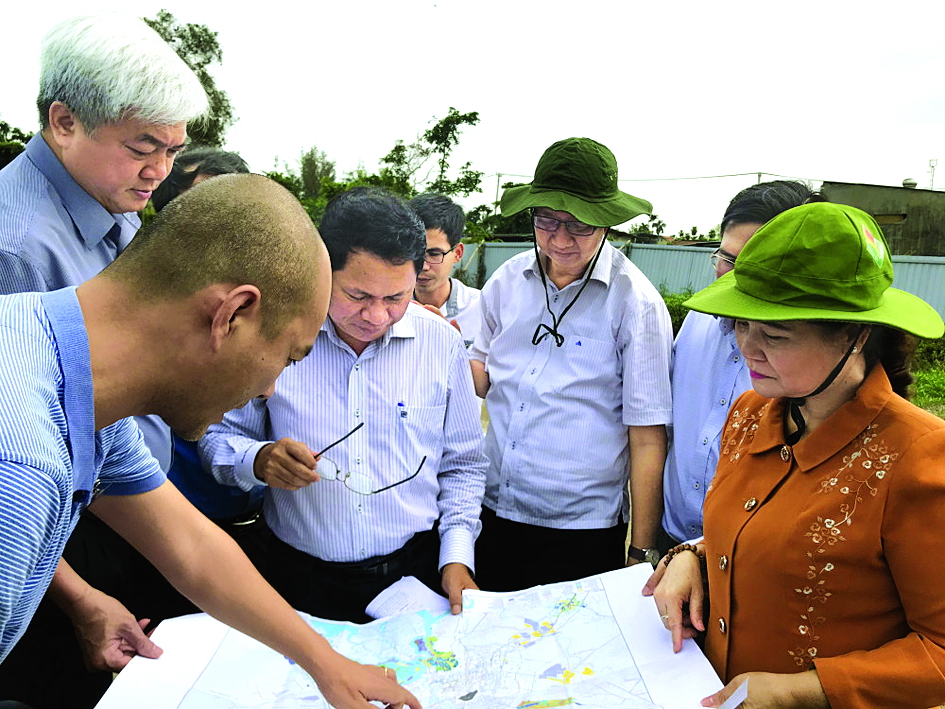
511 556
342 590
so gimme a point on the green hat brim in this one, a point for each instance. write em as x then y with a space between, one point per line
897 309
610 212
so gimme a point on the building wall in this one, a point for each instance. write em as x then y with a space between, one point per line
913 220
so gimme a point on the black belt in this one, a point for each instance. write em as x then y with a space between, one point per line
373 567
241 520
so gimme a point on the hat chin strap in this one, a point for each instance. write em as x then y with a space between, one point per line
543 331
795 403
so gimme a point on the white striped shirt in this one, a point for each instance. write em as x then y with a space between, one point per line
51 457
557 442
412 389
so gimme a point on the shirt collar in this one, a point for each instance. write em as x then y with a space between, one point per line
834 434
91 219
403 328
601 273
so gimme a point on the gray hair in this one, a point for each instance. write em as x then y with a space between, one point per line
108 67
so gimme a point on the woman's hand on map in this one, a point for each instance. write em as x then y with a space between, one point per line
456 579
679 595
346 684
775 691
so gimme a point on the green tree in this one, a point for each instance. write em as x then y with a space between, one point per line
12 142
197 45
314 169
406 168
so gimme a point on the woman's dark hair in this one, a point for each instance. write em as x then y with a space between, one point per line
766 200
890 347
190 164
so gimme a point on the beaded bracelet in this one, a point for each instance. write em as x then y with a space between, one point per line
700 553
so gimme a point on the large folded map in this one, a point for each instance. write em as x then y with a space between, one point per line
594 643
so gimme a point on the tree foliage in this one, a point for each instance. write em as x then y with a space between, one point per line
12 142
314 169
198 46
407 168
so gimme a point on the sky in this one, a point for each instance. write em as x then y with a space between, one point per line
829 90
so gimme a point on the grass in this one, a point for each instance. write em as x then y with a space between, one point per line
930 390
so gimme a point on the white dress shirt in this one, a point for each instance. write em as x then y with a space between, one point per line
557 442
412 388
462 305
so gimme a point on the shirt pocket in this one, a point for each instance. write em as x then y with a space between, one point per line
587 362
419 429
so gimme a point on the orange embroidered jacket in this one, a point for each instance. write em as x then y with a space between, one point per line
828 553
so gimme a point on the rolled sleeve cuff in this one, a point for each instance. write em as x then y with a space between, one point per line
456 547
243 467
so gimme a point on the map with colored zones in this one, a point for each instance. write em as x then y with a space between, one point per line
552 646
596 643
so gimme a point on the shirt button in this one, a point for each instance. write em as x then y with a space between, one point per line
785 453
533 371
723 402
705 441
722 625
513 445
750 505
357 413
358 461
358 366
695 486
735 358
723 563
521 407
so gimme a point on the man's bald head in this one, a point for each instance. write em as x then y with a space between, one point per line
234 229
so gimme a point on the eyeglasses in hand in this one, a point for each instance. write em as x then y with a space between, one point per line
359 483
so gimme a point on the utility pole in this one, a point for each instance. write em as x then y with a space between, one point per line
932 163
498 181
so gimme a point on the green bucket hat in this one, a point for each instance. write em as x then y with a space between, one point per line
577 175
819 261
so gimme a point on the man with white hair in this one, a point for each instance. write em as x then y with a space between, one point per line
114 102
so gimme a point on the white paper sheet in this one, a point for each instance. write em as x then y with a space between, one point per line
406 596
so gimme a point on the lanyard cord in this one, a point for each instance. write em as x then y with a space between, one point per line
542 331
795 404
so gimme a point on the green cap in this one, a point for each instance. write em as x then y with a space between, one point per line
577 175
819 261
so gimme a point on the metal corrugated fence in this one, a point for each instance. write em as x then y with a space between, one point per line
678 268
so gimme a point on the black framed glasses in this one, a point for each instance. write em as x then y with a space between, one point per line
435 255
550 224
718 257
359 483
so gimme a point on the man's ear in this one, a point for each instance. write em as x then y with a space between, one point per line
63 124
458 252
234 311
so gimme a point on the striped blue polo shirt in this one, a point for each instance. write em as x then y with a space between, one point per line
52 461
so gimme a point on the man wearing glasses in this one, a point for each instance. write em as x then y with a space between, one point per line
458 303
387 397
573 359
709 372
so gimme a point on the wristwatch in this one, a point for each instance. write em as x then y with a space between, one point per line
651 555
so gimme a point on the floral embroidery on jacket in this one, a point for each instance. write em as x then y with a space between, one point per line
860 474
741 431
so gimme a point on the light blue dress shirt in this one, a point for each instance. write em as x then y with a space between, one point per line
412 388
52 460
709 373
54 234
557 443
